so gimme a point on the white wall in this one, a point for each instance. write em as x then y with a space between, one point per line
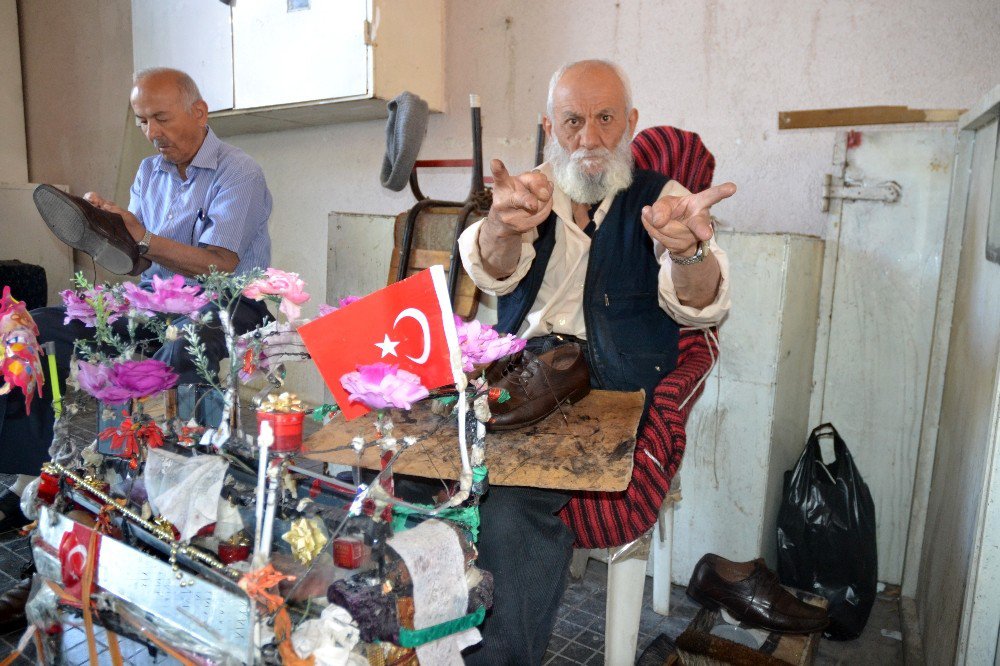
723 69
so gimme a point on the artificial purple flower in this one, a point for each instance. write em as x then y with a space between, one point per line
481 344
325 309
79 305
170 296
96 380
382 385
143 378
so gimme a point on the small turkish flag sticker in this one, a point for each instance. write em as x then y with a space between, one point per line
409 324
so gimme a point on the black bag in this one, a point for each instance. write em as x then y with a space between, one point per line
826 535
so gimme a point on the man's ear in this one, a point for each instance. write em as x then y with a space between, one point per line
547 126
633 121
200 111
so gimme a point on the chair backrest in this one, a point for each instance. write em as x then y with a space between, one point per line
677 154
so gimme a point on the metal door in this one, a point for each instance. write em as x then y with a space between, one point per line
888 205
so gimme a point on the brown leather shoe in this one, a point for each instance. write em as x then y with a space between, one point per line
12 603
752 594
84 227
538 385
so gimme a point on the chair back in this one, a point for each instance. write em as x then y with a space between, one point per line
677 154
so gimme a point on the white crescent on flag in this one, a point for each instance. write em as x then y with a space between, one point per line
425 326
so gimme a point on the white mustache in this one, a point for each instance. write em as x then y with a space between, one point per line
581 154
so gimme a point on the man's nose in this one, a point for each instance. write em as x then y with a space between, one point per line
590 136
153 130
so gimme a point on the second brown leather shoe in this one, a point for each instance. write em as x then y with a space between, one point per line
87 228
538 385
752 594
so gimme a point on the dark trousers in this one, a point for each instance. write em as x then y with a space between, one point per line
25 438
528 549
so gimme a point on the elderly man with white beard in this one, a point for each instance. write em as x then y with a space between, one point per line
587 249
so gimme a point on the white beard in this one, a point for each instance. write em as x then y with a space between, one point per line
591 188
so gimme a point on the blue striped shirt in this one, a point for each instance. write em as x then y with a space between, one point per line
224 202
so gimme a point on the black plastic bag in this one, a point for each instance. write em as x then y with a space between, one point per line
826 535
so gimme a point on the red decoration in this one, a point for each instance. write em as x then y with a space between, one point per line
128 435
409 324
349 552
287 428
233 552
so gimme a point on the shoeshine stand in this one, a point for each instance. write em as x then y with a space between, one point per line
585 446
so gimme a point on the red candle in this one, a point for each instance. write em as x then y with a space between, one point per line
287 428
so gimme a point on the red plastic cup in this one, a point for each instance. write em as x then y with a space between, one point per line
287 428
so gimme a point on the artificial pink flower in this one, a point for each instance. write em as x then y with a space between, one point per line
382 385
170 296
325 309
96 380
481 344
286 286
80 305
143 378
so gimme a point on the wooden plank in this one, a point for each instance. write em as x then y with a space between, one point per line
865 115
590 449
433 237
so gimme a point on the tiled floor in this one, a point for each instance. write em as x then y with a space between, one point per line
578 637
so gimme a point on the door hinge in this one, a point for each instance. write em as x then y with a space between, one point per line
887 192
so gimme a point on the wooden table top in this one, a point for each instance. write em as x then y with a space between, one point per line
586 446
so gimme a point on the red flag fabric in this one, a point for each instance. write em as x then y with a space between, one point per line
409 324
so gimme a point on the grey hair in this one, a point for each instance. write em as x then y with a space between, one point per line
554 81
189 89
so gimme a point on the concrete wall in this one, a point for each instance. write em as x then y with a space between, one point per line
13 152
721 69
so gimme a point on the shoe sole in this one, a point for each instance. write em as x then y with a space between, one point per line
69 223
575 396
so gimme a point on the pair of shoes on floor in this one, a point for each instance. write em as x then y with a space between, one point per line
84 227
751 593
536 384
10 505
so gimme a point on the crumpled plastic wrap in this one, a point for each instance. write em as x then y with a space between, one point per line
42 609
185 490
330 639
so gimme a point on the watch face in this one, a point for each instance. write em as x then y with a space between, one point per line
143 249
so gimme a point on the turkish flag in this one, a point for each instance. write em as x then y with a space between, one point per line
409 324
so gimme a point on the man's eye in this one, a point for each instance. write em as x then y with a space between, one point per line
606 117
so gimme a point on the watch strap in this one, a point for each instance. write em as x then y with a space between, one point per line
695 258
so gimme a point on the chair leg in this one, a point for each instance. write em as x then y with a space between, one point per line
578 565
660 556
626 579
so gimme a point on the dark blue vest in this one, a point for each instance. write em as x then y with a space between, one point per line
631 341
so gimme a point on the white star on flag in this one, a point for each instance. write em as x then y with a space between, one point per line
387 346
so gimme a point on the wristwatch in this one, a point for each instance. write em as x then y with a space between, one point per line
695 258
144 243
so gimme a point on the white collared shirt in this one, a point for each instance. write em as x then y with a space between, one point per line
558 307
